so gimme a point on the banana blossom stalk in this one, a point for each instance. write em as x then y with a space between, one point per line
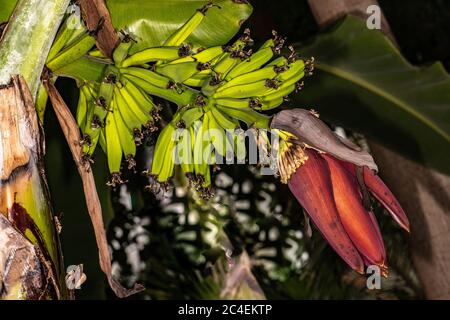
332 179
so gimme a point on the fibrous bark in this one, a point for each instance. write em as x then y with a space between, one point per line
30 261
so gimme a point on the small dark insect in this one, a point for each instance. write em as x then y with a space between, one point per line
98 27
200 101
255 103
215 79
286 99
184 50
86 140
110 78
96 122
181 124
138 136
272 83
203 66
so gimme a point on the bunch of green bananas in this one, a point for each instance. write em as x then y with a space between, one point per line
214 88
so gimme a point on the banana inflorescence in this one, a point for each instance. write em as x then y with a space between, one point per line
216 89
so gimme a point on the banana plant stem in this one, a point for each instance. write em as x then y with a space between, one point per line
28 38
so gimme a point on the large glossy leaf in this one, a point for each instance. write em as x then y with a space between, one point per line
6 8
152 21
362 82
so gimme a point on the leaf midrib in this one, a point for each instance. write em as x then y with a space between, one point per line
383 93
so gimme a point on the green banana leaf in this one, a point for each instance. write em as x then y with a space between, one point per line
153 21
6 8
362 82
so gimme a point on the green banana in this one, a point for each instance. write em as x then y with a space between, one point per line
191 115
185 31
164 140
201 143
97 54
182 98
184 151
250 117
143 102
93 122
233 103
121 52
238 140
197 80
151 55
223 120
208 54
178 72
295 69
81 46
168 162
132 121
211 84
125 134
216 134
251 77
106 91
113 146
41 102
147 75
134 104
62 38
102 140
259 58
82 108
230 58
275 99
254 89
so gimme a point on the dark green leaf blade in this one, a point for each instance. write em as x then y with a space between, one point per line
362 82
6 8
153 21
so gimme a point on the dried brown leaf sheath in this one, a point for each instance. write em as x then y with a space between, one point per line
73 137
28 269
98 21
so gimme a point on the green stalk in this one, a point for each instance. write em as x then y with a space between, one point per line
24 195
28 38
